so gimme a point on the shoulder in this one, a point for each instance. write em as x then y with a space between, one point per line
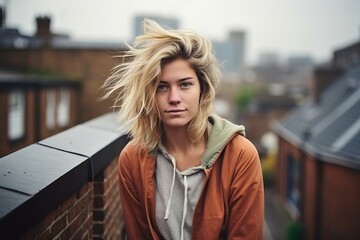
132 153
241 152
130 148
241 158
242 144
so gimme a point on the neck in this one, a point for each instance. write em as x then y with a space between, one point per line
178 140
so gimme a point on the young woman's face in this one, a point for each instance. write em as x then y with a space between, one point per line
178 93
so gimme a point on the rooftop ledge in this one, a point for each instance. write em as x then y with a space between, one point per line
37 178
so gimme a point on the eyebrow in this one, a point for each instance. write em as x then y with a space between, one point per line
180 80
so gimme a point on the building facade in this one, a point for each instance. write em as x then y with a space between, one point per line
42 58
33 108
318 167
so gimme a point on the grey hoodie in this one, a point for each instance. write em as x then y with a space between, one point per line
177 193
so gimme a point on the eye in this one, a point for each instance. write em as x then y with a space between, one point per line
186 84
161 88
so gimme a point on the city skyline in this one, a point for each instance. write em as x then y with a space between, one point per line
311 28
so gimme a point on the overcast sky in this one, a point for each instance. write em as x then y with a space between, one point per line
288 27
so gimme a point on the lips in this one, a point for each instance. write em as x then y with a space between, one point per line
175 110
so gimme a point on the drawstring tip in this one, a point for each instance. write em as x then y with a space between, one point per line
167 213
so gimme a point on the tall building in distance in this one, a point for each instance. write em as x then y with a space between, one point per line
165 22
231 53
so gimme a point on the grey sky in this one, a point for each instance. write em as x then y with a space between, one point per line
313 27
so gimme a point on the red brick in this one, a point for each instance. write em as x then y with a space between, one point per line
58 225
99 177
86 236
45 235
78 222
77 208
83 189
74 211
89 222
95 237
107 184
79 233
67 203
91 235
45 222
89 196
110 168
65 234
98 202
98 215
98 188
98 229
90 207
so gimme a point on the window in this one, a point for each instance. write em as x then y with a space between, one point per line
16 115
63 108
50 109
293 193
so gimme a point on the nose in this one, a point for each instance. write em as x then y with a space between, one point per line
174 96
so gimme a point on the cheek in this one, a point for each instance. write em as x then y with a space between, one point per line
160 105
158 101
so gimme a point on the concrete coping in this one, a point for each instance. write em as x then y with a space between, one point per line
39 177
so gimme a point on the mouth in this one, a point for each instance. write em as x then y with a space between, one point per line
175 110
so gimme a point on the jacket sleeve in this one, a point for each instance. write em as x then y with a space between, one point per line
133 210
246 202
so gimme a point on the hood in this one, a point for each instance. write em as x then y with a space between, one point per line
221 132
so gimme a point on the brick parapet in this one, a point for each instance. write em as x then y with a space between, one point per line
62 199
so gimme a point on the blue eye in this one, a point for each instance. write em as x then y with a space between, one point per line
185 84
162 88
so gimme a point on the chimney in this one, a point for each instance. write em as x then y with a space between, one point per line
323 77
43 29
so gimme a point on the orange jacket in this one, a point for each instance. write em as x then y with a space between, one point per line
231 205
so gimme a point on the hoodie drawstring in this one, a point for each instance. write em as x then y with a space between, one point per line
168 205
171 190
186 186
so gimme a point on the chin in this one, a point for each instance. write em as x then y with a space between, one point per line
176 123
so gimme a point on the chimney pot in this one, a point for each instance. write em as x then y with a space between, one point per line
43 26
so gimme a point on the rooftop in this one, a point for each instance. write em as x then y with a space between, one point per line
329 129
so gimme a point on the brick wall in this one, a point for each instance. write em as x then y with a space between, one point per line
35 109
329 195
72 219
93 212
64 187
108 222
312 189
340 206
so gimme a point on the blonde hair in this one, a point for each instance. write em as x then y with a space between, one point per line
135 81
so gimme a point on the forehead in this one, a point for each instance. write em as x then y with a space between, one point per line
176 68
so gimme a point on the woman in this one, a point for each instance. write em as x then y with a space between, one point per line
186 173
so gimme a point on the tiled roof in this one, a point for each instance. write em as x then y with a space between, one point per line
9 78
12 38
329 129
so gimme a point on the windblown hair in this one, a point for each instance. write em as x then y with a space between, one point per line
134 82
